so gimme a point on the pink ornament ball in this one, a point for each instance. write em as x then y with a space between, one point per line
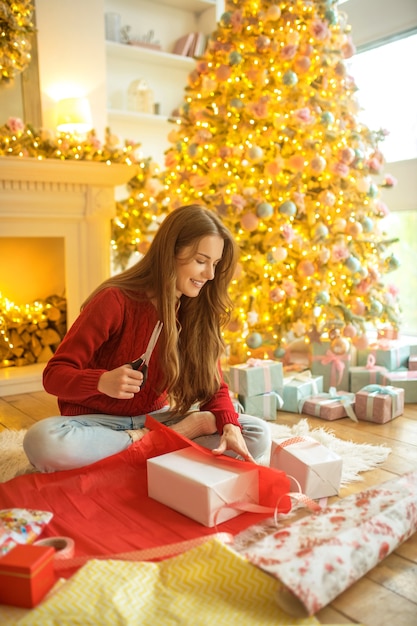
306 268
358 307
223 73
354 229
249 222
273 13
317 164
349 331
280 254
302 64
361 342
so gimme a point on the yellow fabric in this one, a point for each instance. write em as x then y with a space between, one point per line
207 585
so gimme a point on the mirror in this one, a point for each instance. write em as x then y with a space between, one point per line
22 97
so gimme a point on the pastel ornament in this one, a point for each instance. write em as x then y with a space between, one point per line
255 153
393 263
192 149
264 210
320 231
306 268
226 18
249 222
302 64
277 295
263 43
322 298
280 254
358 307
361 342
354 229
290 78
363 184
352 264
347 155
327 198
254 340
223 73
288 208
327 118
318 164
367 225
376 308
296 162
237 103
273 13
372 191
340 345
349 331
279 352
235 58
331 16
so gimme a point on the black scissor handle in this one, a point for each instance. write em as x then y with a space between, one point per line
140 366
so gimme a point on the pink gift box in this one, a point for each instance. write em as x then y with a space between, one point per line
375 403
330 406
316 469
412 362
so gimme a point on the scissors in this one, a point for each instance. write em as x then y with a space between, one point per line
141 364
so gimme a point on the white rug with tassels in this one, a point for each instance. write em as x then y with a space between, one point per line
356 457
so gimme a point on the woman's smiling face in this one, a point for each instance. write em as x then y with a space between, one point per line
196 267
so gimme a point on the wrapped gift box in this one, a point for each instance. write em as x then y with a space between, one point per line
316 469
362 375
200 488
389 354
379 404
256 377
412 362
26 575
264 406
330 406
406 380
298 387
334 368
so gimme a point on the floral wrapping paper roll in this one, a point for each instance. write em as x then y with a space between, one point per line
320 556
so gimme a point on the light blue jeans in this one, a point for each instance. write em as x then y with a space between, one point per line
62 443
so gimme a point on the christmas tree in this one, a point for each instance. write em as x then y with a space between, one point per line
268 137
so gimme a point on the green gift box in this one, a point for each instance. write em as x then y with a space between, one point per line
298 387
334 368
389 354
407 380
264 406
360 376
256 377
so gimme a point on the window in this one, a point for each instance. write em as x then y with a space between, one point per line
388 94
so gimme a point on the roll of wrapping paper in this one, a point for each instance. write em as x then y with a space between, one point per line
64 546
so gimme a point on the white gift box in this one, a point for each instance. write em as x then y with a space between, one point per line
316 469
191 483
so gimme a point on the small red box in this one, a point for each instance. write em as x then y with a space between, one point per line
26 575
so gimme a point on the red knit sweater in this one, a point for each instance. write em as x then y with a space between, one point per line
112 330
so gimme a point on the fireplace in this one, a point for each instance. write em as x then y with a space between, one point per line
70 204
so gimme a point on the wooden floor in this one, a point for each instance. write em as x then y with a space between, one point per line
387 594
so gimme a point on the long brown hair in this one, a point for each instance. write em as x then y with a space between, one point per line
192 343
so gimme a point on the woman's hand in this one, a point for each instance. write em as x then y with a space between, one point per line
121 383
232 439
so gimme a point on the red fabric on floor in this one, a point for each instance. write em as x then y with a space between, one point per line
105 508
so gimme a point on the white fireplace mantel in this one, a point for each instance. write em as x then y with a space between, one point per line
73 200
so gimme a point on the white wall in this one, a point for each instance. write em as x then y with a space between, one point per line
72 56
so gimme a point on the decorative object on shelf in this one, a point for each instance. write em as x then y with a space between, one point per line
191 44
140 97
113 26
146 41
16 28
74 116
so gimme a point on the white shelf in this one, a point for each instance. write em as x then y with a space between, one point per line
197 6
132 116
148 55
